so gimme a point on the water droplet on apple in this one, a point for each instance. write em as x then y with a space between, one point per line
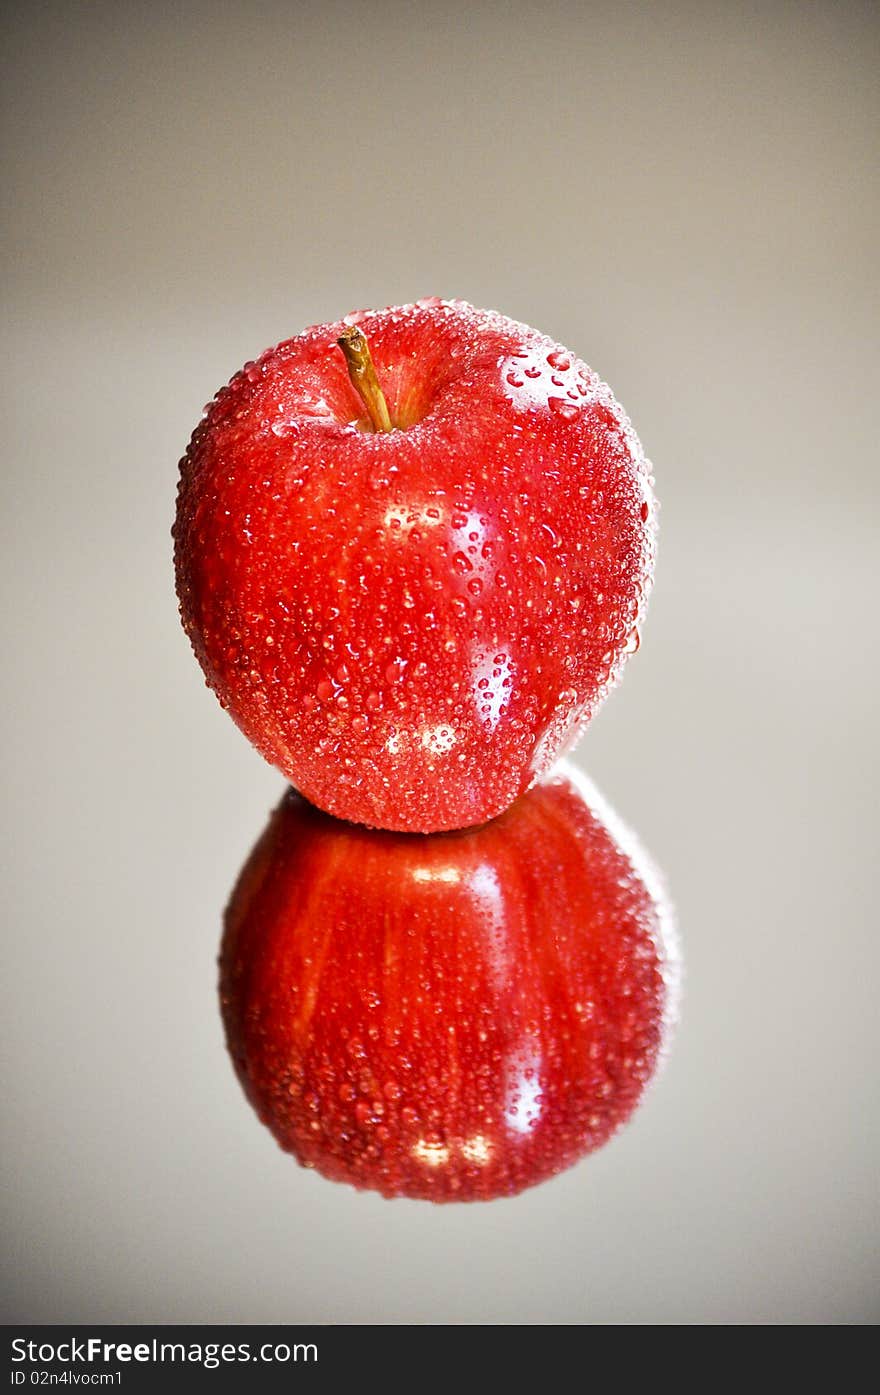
563 409
558 359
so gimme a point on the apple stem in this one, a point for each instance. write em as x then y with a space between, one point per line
361 370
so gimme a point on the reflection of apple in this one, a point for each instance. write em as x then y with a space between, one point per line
412 585
453 1017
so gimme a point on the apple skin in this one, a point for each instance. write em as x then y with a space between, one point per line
453 1017
412 625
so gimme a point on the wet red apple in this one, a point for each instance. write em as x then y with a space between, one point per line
413 549
452 1017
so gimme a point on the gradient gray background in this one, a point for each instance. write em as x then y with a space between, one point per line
686 195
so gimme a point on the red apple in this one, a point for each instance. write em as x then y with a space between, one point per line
452 1017
412 623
